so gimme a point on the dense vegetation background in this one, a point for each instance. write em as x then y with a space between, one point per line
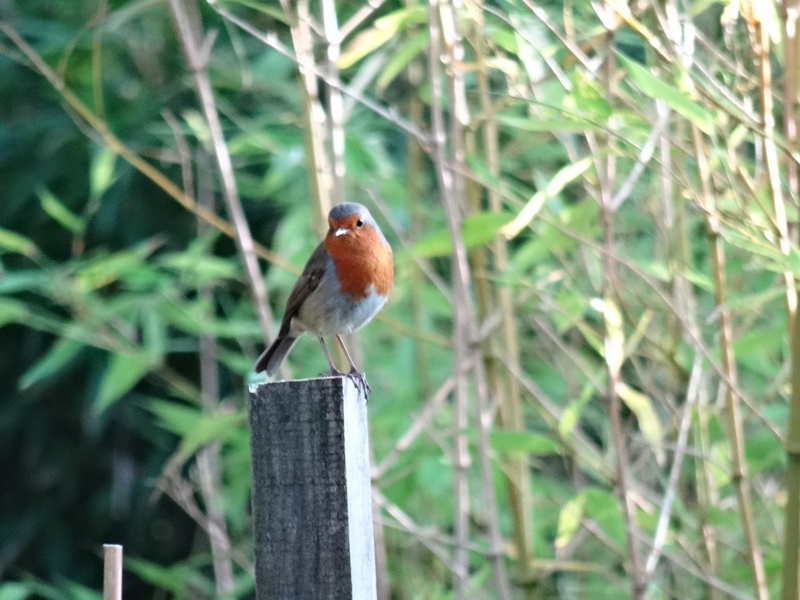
582 381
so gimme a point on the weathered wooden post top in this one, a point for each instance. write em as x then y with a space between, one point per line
312 500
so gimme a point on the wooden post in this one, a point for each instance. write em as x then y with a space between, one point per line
112 572
312 494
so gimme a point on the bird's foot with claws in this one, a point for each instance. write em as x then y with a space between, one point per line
357 377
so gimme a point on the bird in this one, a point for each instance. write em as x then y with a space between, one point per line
344 284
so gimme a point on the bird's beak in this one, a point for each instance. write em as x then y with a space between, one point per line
340 231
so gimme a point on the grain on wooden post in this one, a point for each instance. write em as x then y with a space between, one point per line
112 572
312 495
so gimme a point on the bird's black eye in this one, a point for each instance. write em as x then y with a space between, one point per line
360 223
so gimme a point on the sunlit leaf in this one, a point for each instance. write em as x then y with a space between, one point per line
476 230
571 414
569 520
101 174
381 32
560 180
11 241
674 96
614 339
60 213
587 99
12 311
546 125
15 591
400 59
649 423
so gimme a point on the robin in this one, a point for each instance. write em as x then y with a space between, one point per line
343 285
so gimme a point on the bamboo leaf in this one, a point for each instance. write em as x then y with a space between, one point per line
477 230
176 417
12 311
546 125
101 173
649 424
614 341
122 373
400 59
673 95
569 520
212 427
560 180
59 356
11 241
376 36
522 441
59 212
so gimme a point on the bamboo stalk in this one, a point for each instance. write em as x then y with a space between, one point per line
450 183
505 388
613 345
335 103
761 50
196 50
208 467
313 114
732 409
790 582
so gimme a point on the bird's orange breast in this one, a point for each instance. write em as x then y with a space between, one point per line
361 258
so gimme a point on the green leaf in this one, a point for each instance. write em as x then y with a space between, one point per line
15 591
272 11
176 579
11 241
522 441
60 213
400 59
646 416
476 230
202 269
122 373
604 508
60 355
26 280
569 520
546 125
376 36
12 311
675 97
101 173
560 180
571 415
212 427
177 417
434 476
108 268
587 99
614 344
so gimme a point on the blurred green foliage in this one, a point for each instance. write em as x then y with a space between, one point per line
108 288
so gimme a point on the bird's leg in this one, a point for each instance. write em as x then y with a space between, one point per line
353 369
334 370
357 376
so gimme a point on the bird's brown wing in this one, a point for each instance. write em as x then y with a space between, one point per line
307 282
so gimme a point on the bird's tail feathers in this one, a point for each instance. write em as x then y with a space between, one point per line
273 356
